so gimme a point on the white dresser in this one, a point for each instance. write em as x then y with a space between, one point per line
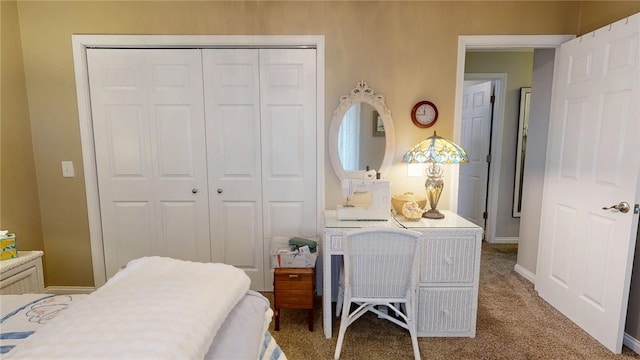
449 271
23 274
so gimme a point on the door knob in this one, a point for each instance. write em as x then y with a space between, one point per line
623 207
219 191
194 190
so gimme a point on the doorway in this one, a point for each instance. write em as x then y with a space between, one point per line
513 68
494 43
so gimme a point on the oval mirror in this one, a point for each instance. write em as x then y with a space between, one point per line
361 134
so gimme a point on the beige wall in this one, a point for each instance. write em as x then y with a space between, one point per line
596 14
518 67
19 205
405 50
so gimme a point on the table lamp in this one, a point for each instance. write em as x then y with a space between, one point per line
435 150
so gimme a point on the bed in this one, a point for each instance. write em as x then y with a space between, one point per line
154 308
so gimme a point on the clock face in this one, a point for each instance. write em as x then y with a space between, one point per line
424 114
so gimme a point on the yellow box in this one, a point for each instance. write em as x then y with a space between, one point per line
8 248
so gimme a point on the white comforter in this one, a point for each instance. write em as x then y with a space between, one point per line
156 307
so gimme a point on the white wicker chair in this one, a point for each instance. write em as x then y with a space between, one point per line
381 269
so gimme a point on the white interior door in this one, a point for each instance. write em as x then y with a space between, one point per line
232 98
585 253
261 131
476 140
288 108
148 127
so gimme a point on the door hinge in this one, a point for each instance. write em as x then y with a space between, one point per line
488 158
493 99
485 215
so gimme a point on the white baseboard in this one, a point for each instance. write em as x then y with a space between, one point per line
631 343
525 273
504 240
69 290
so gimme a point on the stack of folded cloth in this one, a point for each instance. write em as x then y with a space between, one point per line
297 242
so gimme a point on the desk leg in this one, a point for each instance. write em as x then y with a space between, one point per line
326 292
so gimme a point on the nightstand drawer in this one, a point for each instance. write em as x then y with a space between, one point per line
294 279
294 299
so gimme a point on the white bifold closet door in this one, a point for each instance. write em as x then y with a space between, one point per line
204 155
261 133
148 124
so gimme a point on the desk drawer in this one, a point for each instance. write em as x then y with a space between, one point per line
446 311
448 259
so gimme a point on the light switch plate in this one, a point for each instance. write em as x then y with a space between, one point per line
67 169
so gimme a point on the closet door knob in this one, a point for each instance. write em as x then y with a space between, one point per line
219 191
194 190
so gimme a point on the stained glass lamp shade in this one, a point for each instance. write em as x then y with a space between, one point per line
435 150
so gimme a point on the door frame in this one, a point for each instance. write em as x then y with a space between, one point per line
81 42
490 42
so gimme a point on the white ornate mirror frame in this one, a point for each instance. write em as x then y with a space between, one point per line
362 93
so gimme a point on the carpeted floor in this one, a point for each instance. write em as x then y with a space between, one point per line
513 323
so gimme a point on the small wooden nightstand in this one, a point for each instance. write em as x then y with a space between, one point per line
294 288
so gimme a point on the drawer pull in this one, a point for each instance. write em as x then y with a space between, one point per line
293 276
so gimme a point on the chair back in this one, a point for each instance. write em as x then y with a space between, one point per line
381 263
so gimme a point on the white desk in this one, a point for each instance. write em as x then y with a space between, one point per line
449 271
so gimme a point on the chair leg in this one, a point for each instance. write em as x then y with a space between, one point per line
344 322
413 331
414 343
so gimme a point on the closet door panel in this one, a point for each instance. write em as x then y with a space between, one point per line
288 108
124 141
286 217
236 149
240 234
234 165
133 232
148 125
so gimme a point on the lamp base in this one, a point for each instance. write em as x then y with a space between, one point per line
433 214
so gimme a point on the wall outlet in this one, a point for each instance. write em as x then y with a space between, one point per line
67 169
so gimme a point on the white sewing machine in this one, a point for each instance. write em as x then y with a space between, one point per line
366 200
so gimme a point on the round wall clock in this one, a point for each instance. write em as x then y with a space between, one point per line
424 114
